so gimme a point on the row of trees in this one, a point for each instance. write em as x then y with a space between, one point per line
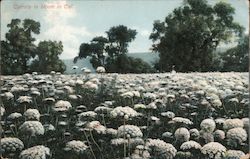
187 40
111 52
19 54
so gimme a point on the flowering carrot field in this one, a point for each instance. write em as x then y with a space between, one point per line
132 116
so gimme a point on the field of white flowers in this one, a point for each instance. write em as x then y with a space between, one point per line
130 116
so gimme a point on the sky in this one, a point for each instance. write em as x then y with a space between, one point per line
74 22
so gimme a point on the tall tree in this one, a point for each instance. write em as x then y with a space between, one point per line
119 37
190 34
19 46
95 49
47 57
111 52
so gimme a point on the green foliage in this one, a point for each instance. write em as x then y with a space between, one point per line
189 36
111 52
236 59
126 64
19 46
19 50
95 49
47 59
119 37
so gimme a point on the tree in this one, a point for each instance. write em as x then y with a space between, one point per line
47 57
9 63
19 46
236 59
119 37
188 36
111 52
95 49
126 64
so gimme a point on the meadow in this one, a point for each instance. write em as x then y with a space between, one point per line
125 116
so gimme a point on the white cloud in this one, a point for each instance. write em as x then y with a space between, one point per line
145 33
59 15
141 31
60 29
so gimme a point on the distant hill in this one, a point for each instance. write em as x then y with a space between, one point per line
145 56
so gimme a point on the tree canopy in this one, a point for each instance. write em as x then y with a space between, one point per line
236 58
19 46
111 52
47 58
191 33
19 54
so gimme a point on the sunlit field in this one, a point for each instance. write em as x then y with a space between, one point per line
132 116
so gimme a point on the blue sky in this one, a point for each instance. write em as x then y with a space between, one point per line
79 21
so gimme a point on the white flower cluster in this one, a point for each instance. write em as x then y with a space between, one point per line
149 95
8 95
111 131
84 115
100 69
35 152
17 88
182 134
219 134
11 145
233 100
215 100
86 70
220 121
35 93
234 154
160 149
130 94
208 125
49 127
2 111
79 82
168 114
129 131
32 128
134 142
245 123
182 120
69 89
118 141
139 106
194 133
214 150
32 114
14 116
76 146
24 99
236 135
50 99
190 145
124 112
102 109
61 106
90 85
140 153
233 123
97 126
